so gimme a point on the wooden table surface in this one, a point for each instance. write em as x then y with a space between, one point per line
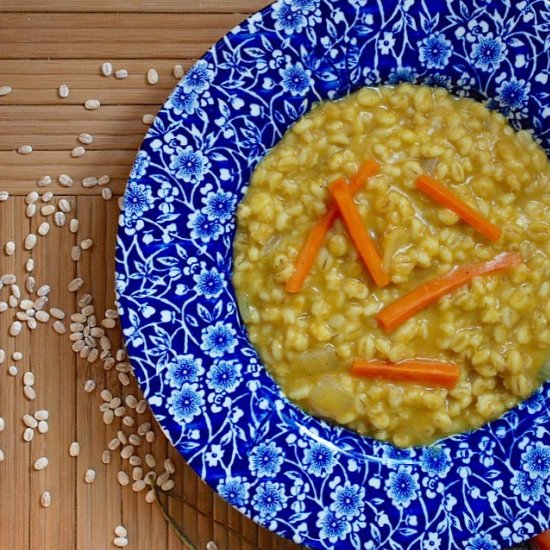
45 43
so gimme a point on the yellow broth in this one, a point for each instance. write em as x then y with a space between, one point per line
497 328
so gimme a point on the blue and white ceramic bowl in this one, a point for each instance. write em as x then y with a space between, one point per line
312 482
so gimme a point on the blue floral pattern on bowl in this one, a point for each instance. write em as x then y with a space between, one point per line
312 482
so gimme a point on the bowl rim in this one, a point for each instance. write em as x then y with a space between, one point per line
274 417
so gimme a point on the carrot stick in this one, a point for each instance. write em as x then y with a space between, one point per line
427 293
358 232
425 372
446 197
316 236
542 541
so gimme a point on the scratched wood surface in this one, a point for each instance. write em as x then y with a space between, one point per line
45 43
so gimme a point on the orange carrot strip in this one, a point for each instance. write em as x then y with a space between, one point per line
542 541
443 195
425 372
427 293
358 232
316 236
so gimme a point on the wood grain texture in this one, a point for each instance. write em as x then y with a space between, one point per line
46 43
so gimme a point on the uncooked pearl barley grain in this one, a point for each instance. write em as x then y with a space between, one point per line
152 76
57 313
135 440
12 371
86 139
17 356
65 180
44 181
30 241
120 412
4 196
31 323
131 401
103 180
30 210
15 328
25 150
45 499
44 290
47 210
63 91
121 74
108 323
150 460
64 205
148 118
28 435
127 420
29 265
5 90
2 356
30 421
89 181
123 478
76 253
31 197
8 279
73 225
93 355
106 194
120 531
28 379
138 485
12 301
106 395
137 473
42 414
78 152
74 449
150 436
16 291
43 229
177 71
10 248
168 485
88 310
43 427
106 456
150 497
29 393
89 386
86 244
169 466
3 307
59 219
75 284
109 363
120 353
127 452
92 104
92 320
40 302
211 545
41 463
89 476
42 316
59 327
108 417
107 68
163 478
47 196
120 542
141 407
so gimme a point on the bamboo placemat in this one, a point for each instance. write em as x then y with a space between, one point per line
46 43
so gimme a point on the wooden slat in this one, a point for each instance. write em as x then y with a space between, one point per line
151 6
57 127
15 470
98 504
126 36
36 82
55 383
